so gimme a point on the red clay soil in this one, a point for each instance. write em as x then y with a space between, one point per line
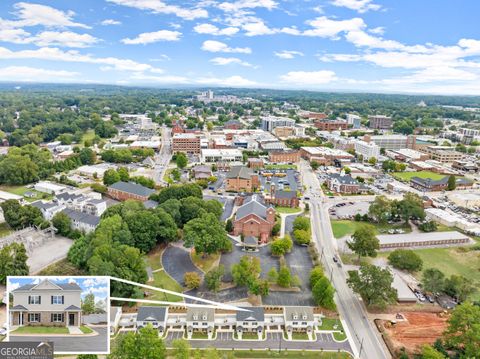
420 328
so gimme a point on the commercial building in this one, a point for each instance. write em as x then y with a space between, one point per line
342 183
282 198
49 187
407 155
284 156
367 149
444 154
233 125
241 178
325 155
380 122
221 155
270 123
430 185
331 125
465 166
186 142
129 190
354 121
391 142
435 239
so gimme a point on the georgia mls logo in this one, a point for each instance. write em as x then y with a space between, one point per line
26 350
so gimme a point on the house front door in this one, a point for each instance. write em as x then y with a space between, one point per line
71 319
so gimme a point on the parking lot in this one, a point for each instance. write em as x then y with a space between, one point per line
290 180
346 210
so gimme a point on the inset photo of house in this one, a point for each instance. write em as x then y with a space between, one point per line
72 312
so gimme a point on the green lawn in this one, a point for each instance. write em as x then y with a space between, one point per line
205 264
330 323
290 354
41 330
4 230
86 330
280 167
287 210
88 135
154 258
342 228
20 191
299 336
199 335
163 280
406 176
63 267
453 261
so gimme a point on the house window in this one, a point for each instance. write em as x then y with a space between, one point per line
34 299
56 317
295 323
57 299
34 317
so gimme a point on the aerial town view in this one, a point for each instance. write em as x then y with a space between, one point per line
227 179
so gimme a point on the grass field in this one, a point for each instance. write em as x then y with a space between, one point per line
287 210
162 280
205 264
342 228
41 330
406 176
254 354
334 324
280 167
20 191
63 267
85 329
4 230
88 135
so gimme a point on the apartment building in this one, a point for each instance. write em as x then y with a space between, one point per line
354 121
186 142
367 149
221 155
444 154
325 155
380 122
392 142
331 125
270 123
284 156
241 178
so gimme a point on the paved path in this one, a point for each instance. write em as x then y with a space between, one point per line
176 261
273 341
94 344
74 330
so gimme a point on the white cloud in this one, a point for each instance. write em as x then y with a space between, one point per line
380 30
149 37
55 54
16 36
325 27
239 5
13 285
309 78
166 79
223 61
358 5
257 28
108 22
160 7
160 58
65 38
287 54
217 46
35 14
214 30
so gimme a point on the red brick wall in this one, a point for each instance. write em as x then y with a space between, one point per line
123 196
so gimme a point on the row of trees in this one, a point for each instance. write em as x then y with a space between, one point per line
112 176
383 209
126 155
322 290
457 286
301 230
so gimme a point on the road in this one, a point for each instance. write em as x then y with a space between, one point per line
363 333
90 344
162 158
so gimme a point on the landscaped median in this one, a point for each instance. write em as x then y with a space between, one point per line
51 331
334 326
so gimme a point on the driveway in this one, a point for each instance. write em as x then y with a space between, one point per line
227 205
274 341
176 262
290 177
94 344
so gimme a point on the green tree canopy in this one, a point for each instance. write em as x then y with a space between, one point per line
364 242
405 259
206 234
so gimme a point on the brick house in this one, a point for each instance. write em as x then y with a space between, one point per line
430 185
283 198
233 125
284 156
254 219
241 178
47 304
129 190
343 183
255 163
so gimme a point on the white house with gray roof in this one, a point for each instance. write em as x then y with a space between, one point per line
154 316
200 320
299 319
251 320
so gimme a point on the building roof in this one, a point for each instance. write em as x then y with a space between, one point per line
240 172
300 312
73 307
420 237
19 307
253 206
132 187
428 182
252 314
43 205
82 217
286 194
63 286
200 312
344 179
151 314
150 204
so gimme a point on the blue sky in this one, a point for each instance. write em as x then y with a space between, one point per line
414 46
96 285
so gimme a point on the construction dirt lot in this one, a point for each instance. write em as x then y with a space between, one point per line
417 329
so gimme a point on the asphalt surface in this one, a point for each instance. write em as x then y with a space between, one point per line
176 262
290 177
162 158
92 344
227 203
274 341
364 334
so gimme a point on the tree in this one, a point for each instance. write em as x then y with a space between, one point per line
314 165
144 227
372 161
411 206
433 280
213 278
247 271
429 226
181 349
315 274
13 261
302 223
405 259
281 246
301 236
323 293
178 192
192 280
458 287
87 156
429 352
463 331
364 242
145 343
62 223
110 177
88 304
373 284
229 225
18 169
206 234
181 160
452 183
167 230
284 278
18 216
272 275
276 229
380 209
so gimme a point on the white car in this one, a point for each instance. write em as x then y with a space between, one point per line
3 331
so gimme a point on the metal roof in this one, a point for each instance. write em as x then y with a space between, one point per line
252 314
132 187
147 313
